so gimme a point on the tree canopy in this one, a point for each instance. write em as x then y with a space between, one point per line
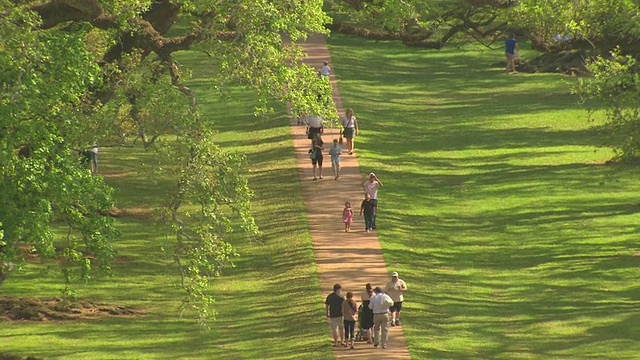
78 72
552 25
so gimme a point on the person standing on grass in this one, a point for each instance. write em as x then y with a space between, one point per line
350 129
317 145
396 288
335 151
371 187
347 216
380 304
333 309
511 48
369 209
349 312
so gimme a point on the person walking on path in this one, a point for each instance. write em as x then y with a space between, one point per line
511 48
347 216
317 145
335 151
350 125
366 316
396 288
326 70
380 304
371 187
369 211
349 312
333 309
315 125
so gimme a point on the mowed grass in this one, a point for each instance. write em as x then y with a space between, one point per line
269 306
515 240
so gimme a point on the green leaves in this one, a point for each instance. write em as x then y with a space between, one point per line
615 83
104 72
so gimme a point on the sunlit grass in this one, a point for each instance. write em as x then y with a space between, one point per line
516 241
268 305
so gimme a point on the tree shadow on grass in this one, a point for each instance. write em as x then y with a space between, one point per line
471 137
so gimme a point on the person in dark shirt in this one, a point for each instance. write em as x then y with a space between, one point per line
511 48
333 308
369 209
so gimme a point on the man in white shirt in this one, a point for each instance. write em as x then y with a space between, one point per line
395 288
371 187
380 304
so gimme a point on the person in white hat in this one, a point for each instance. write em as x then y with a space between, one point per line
371 187
395 288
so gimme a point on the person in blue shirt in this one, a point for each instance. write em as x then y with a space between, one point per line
511 48
335 153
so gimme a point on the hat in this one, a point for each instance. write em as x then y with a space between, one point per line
395 273
371 174
378 290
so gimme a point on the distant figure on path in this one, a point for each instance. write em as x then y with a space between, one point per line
326 70
511 48
335 151
349 312
380 304
369 210
371 187
347 216
350 125
333 308
396 288
317 145
366 315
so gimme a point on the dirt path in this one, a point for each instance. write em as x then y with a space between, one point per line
350 259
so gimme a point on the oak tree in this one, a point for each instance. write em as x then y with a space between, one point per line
76 72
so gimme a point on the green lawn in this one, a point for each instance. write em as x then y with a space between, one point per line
514 238
269 306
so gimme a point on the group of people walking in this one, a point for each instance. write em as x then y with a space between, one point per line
379 309
315 130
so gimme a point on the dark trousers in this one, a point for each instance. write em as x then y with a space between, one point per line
368 221
375 213
349 329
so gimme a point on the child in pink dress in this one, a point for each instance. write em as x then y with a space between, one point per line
347 216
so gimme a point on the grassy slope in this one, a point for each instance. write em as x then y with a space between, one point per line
492 209
269 305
